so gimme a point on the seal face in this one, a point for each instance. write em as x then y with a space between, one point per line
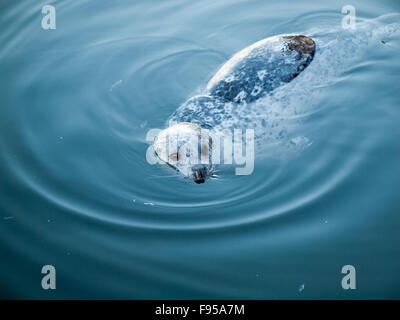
262 67
187 148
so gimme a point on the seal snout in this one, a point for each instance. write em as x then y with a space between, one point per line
199 174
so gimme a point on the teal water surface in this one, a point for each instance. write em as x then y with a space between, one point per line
77 191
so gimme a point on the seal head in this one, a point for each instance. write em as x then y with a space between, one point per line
186 147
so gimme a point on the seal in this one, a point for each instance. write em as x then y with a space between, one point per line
246 77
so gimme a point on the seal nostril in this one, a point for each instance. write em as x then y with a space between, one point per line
199 173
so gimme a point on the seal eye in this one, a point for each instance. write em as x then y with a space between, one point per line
174 156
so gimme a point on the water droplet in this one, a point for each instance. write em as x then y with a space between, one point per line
115 84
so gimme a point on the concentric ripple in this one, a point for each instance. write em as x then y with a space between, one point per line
77 105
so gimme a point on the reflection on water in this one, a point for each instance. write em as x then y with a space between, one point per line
78 193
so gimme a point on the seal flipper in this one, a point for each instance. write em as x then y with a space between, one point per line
262 67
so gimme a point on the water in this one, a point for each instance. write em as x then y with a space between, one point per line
77 192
